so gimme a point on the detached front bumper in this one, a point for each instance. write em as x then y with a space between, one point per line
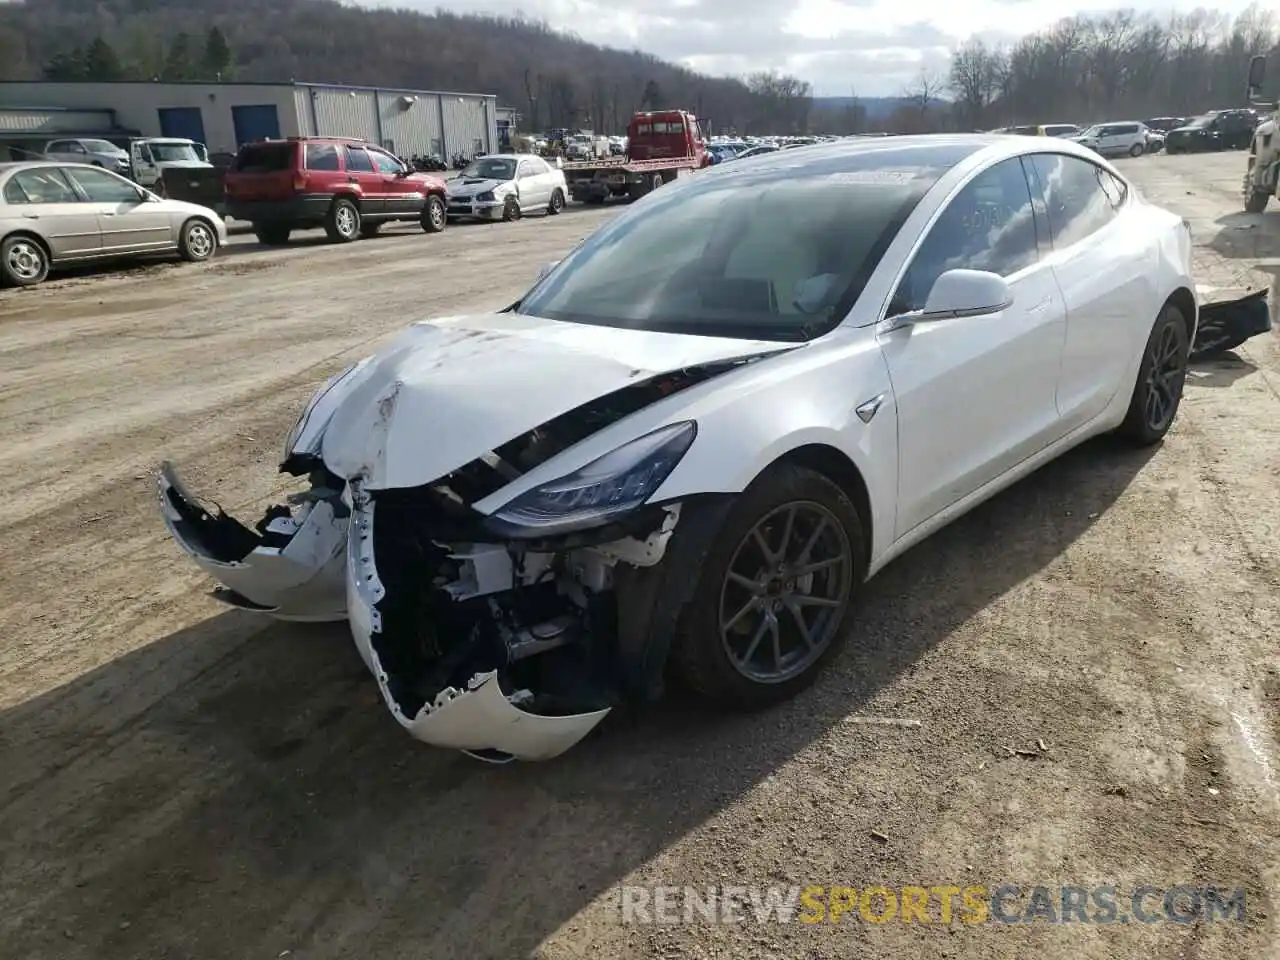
467 209
314 561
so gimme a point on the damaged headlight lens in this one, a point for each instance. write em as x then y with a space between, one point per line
304 419
604 489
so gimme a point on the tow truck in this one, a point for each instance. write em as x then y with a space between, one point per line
661 146
1262 172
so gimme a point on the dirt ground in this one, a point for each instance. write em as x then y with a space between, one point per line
1089 662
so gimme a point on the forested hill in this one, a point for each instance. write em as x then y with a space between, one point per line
555 79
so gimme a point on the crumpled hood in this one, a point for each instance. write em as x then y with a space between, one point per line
470 187
444 393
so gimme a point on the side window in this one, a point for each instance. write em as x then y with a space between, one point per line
103 187
322 156
536 166
358 161
41 185
1079 196
385 163
988 225
524 170
58 146
74 146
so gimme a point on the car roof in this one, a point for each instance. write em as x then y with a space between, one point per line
939 150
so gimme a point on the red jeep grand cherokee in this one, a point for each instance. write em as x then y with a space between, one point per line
349 187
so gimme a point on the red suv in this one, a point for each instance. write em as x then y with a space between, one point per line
349 187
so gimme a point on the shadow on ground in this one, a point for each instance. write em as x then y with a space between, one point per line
236 790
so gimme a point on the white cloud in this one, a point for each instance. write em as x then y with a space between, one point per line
875 47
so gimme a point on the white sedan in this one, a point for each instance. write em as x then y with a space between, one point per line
692 441
505 186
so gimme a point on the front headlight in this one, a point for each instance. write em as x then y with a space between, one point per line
312 446
486 197
600 492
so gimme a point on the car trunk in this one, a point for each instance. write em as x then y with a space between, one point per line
262 171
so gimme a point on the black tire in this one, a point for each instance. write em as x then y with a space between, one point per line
1136 150
557 202
272 234
198 240
700 656
434 219
595 200
342 222
24 262
1163 371
1256 201
510 210
369 230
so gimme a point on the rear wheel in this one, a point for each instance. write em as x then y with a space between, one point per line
271 234
557 202
433 215
1162 374
1256 201
342 222
1135 150
771 603
197 241
23 262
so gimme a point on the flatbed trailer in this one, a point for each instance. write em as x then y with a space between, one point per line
661 146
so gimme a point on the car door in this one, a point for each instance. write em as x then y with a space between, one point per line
1103 270
403 195
530 188
130 219
976 394
362 175
68 151
43 201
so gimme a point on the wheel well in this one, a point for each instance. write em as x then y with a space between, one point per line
839 469
38 240
345 195
1184 301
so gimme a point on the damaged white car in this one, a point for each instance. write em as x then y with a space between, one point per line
693 439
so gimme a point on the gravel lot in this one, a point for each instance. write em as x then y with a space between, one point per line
1091 659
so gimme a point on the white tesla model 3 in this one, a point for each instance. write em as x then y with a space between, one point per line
696 436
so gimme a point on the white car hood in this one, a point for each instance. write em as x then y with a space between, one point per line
446 392
469 188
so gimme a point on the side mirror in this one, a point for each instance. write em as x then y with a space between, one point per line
547 268
967 293
1257 74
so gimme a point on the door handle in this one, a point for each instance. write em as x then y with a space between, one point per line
109 213
352 180
31 216
1041 306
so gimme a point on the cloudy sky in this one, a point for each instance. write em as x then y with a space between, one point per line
874 47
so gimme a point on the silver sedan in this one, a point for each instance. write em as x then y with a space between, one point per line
57 214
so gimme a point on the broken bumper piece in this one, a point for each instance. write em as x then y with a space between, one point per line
1227 319
475 717
292 566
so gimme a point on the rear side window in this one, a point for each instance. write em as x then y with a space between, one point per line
264 158
358 160
322 156
1080 197
41 185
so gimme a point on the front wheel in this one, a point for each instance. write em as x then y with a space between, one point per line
271 234
433 215
511 210
770 607
1162 374
197 241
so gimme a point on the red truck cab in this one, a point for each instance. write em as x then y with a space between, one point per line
666 135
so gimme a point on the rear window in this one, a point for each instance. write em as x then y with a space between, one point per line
322 156
264 158
659 127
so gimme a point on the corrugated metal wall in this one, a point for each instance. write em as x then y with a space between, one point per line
339 112
470 125
410 123
56 121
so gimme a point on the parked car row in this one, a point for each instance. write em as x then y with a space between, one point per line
1215 130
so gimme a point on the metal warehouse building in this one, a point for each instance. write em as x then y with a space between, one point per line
224 115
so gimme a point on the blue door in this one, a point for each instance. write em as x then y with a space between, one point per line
260 122
185 123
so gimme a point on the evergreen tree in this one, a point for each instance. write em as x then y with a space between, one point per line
101 62
177 63
216 63
67 65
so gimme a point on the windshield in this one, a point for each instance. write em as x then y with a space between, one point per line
490 168
773 253
1204 121
100 146
1095 131
173 152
